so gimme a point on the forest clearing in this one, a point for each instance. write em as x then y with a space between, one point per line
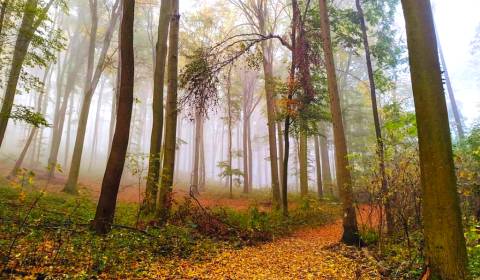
239 139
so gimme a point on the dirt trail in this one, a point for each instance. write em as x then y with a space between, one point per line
308 254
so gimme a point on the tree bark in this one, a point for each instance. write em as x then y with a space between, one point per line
157 124
229 127
303 157
326 172
351 234
93 151
318 167
196 153
168 169
71 185
116 160
451 95
445 250
3 14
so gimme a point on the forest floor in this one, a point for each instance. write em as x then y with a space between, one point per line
56 242
313 253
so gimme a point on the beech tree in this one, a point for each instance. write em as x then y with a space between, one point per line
153 177
164 199
91 83
344 181
445 249
116 160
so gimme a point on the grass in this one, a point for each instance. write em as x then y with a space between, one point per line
53 237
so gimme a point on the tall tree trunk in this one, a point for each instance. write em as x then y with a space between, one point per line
157 124
246 173
326 172
59 119
267 63
116 160
376 121
229 125
113 112
93 150
166 186
24 38
350 229
71 185
33 130
445 249
318 167
303 157
3 14
196 153
291 90
69 132
201 182
451 95
250 157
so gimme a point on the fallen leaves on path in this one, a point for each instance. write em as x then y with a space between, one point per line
308 254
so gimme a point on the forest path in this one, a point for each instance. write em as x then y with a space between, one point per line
307 254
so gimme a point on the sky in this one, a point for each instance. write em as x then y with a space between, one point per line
456 23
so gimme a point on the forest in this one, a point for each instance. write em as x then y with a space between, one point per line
239 139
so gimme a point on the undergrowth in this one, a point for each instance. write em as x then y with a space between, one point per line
54 238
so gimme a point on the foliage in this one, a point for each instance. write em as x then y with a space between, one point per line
28 115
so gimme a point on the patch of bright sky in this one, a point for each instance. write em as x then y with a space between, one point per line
456 24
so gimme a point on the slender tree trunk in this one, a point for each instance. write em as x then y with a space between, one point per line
445 249
451 95
229 124
71 185
196 153
246 173
164 197
376 121
326 172
250 157
93 150
318 167
3 14
291 91
201 183
303 157
61 112
69 132
350 229
113 112
24 38
116 160
32 134
281 155
157 124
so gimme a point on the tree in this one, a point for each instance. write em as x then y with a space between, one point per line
249 82
116 160
33 16
376 118
89 90
157 126
168 168
75 61
318 166
445 250
350 229
257 13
